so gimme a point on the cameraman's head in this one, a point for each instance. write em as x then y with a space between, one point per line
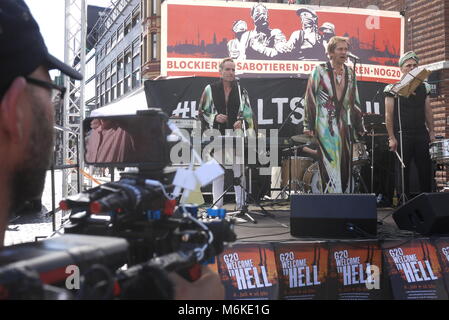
26 110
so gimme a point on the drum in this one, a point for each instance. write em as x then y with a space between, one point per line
312 179
298 165
439 151
359 153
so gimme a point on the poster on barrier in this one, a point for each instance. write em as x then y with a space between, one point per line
442 246
302 270
355 270
248 272
413 269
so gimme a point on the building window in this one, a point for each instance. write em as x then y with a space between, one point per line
108 84
136 78
120 68
128 66
102 82
127 25
145 50
113 40
154 7
154 46
102 53
108 73
136 46
127 84
119 89
120 33
136 64
113 97
136 16
113 73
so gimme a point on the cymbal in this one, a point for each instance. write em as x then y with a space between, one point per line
303 138
375 126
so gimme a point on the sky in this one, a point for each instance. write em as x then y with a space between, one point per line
49 14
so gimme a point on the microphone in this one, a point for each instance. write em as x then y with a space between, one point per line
375 96
353 56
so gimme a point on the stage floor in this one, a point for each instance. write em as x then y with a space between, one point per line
277 227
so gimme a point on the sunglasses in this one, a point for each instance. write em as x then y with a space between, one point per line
55 89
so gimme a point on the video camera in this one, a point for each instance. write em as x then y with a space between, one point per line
139 209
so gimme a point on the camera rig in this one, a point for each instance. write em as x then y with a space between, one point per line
133 222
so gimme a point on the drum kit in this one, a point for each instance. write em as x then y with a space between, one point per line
301 174
439 151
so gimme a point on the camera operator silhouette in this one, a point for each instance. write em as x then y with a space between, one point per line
26 127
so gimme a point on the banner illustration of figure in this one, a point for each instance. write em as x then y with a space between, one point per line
264 42
237 46
306 43
274 40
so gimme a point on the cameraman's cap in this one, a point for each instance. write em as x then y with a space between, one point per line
22 48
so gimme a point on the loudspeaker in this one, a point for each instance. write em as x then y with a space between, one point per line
427 213
333 215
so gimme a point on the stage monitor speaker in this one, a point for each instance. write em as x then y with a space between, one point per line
333 215
427 213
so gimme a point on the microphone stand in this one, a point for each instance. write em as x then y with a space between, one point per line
289 162
403 196
285 121
244 192
372 145
351 142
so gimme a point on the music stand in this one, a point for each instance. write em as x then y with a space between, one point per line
405 88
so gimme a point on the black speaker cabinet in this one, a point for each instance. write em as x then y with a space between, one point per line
333 215
427 213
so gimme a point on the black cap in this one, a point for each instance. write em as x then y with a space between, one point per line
22 48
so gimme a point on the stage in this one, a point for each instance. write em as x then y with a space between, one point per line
267 262
277 228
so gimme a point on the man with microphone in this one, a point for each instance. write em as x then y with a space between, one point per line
223 105
332 115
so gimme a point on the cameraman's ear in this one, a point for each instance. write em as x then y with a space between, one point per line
11 114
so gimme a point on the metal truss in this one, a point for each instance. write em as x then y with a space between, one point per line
73 111
74 101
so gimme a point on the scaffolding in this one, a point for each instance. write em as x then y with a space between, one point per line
73 110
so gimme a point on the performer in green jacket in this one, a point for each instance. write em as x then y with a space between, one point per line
331 108
223 109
